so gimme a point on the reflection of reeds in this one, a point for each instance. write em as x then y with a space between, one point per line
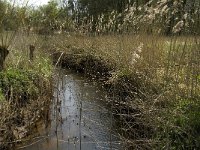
58 103
80 119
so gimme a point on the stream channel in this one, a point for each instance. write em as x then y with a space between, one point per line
79 118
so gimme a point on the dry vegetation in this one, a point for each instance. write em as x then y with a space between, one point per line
153 72
156 83
26 91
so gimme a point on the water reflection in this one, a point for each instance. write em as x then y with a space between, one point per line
78 116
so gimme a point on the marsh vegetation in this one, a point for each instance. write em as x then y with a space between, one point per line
143 54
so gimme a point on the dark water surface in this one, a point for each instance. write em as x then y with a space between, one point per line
79 118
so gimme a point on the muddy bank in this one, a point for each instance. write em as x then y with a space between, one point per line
83 63
125 85
93 68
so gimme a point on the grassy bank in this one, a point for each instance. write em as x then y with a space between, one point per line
155 81
25 91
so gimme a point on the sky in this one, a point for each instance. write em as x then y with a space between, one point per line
37 2
31 2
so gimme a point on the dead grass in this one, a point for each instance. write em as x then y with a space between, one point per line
157 79
161 72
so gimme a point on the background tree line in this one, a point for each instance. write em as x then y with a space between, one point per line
106 16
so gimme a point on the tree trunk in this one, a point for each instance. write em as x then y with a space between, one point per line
31 54
171 17
3 54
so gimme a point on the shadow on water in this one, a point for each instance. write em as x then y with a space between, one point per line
78 115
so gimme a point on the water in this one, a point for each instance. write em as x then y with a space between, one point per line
80 119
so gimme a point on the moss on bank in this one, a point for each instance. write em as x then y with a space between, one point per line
26 93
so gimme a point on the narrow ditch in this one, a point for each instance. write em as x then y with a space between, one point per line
79 118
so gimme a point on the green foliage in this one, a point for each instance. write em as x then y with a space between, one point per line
11 16
156 16
124 72
18 85
2 10
43 66
49 13
40 66
181 129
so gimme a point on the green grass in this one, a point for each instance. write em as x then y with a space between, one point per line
18 85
